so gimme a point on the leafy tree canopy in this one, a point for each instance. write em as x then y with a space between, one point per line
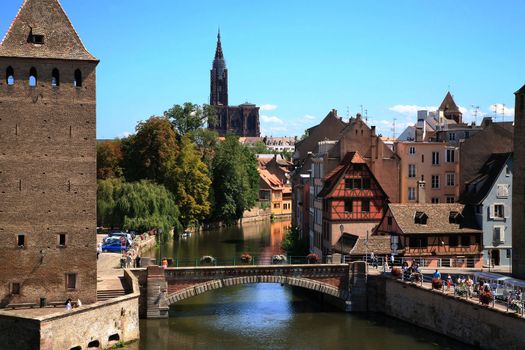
109 159
151 151
190 117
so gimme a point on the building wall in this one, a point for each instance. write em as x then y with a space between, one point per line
489 222
518 190
48 181
422 159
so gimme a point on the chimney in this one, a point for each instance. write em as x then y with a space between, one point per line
373 130
421 198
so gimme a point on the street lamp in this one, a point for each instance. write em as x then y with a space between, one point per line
342 229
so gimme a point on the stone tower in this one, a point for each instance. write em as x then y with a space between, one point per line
450 109
219 77
47 159
518 190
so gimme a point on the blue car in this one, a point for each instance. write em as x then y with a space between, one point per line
114 247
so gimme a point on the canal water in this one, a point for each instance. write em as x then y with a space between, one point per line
268 316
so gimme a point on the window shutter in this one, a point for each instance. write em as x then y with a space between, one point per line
491 211
502 234
506 211
496 237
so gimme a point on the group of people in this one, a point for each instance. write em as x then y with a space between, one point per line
69 304
130 259
411 272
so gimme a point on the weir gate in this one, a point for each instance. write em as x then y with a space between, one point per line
162 287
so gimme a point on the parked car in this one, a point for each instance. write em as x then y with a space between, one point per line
114 246
109 239
130 236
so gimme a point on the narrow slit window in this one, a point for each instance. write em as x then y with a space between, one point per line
21 241
55 78
10 76
32 77
78 78
62 239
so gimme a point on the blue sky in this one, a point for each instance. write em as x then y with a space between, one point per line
298 59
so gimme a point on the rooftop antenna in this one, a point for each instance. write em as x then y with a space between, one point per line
348 112
495 111
394 129
503 113
366 116
476 111
361 110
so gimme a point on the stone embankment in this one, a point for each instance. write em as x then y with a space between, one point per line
458 318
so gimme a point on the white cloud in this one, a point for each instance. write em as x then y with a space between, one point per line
309 117
268 107
125 134
271 120
411 109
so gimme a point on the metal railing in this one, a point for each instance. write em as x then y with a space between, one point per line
236 261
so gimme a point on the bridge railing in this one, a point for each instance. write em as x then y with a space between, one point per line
237 261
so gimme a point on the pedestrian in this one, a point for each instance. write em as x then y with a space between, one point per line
79 303
449 282
137 261
99 249
164 263
68 304
392 260
128 260
469 282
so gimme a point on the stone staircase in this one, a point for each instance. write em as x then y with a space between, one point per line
109 294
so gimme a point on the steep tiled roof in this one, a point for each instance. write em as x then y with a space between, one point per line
479 187
43 18
448 104
437 221
270 179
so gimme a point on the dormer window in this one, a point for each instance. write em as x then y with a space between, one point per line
420 218
35 37
454 217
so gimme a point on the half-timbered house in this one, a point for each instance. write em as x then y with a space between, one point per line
353 201
434 235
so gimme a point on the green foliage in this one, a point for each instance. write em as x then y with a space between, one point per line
235 180
188 180
151 151
109 159
139 206
190 117
260 148
293 244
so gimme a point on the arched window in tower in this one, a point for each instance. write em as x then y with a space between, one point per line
32 77
55 78
78 78
10 76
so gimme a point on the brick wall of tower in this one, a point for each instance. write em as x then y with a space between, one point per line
518 191
47 181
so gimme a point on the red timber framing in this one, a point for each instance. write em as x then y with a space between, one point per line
353 200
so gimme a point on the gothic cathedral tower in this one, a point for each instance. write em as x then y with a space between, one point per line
518 190
47 159
219 77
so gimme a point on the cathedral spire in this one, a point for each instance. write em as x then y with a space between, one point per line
218 52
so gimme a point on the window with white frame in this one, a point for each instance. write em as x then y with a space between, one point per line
411 193
411 170
452 136
451 153
499 234
435 158
450 199
451 179
435 181
411 150
498 211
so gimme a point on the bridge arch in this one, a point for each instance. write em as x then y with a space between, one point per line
306 283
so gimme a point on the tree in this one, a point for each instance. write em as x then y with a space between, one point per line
260 148
206 141
293 244
235 180
139 206
109 159
189 181
190 117
150 152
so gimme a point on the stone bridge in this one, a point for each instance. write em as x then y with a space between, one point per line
160 288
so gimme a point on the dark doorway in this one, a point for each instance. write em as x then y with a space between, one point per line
494 256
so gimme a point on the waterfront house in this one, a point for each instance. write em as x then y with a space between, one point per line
434 235
489 197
